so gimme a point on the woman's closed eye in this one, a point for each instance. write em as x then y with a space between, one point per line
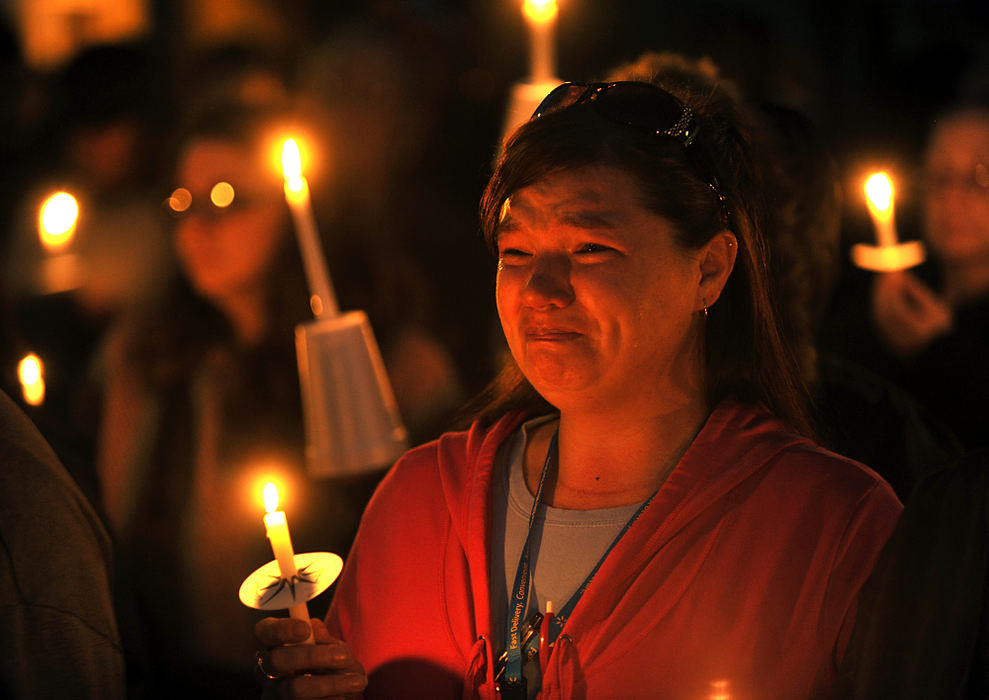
595 250
512 255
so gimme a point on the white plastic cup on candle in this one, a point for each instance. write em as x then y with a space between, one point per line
522 102
351 417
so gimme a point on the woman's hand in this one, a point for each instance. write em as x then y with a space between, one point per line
291 669
909 316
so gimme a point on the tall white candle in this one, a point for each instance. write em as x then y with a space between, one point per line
541 17
276 526
323 300
879 197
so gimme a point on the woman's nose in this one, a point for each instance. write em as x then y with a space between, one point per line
549 283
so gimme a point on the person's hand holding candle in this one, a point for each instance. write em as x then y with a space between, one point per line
291 669
908 314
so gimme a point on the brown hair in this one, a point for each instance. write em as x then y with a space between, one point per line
746 356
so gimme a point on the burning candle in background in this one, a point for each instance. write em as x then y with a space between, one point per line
30 372
276 526
57 221
323 300
541 17
888 255
61 270
879 197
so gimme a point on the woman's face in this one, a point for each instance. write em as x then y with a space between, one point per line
597 300
228 251
957 190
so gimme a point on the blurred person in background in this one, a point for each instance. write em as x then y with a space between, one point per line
201 398
103 126
934 322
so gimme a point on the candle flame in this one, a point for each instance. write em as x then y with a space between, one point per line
879 193
58 219
540 11
270 497
292 165
31 374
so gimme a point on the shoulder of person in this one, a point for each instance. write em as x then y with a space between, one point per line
453 467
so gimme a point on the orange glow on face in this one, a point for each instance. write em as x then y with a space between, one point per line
540 11
57 221
30 372
879 195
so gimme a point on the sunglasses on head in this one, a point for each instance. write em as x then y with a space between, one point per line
644 107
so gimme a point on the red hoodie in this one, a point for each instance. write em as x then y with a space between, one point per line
738 581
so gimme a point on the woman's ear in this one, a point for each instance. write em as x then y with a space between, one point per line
717 259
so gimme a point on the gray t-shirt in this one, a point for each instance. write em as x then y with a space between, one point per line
566 544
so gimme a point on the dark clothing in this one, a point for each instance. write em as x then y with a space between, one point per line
213 437
861 415
950 378
58 634
923 626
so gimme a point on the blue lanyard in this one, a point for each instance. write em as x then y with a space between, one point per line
520 591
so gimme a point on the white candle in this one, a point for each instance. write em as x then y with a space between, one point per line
323 300
276 526
541 16
879 196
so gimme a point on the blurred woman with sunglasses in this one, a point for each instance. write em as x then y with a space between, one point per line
643 464
201 401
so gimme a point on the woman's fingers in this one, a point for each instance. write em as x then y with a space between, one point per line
276 631
324 669
323 685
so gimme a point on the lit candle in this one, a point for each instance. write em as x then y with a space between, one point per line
276 526
879 196
60 270
30 372
323 300
57 221
888 255
541 16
